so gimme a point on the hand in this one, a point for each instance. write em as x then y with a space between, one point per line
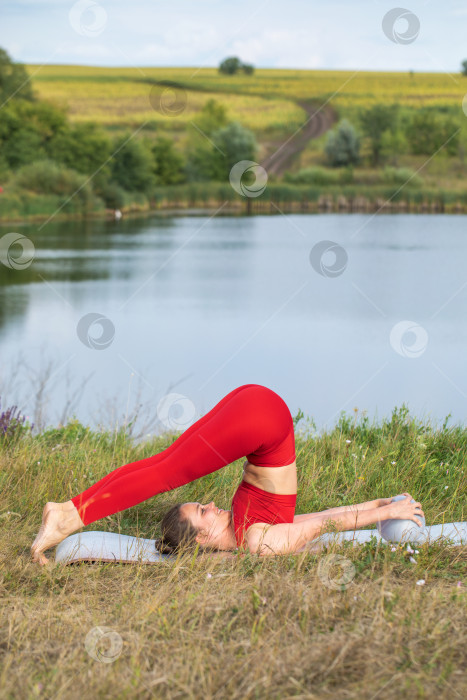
404 493
405 510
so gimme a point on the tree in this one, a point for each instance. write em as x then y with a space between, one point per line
393 144
231 65
132 165
343 145
26 129
168 163
374 122
213 116
228 145
84 148
14 80
232 144
464 67
429 131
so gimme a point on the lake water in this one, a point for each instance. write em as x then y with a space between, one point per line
195 306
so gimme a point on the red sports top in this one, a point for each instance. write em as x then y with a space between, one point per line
251 504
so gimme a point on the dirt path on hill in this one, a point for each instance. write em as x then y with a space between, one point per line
318 121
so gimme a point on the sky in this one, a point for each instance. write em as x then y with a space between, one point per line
268 33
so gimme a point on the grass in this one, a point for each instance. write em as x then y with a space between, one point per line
249 627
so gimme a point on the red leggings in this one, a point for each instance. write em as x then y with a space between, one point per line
252 421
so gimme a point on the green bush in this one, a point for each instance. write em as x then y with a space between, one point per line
343 145
313 176
47 177
401 176
112 194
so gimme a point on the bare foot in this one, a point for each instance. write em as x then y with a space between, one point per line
58 521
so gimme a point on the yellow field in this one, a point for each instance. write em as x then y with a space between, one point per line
264 101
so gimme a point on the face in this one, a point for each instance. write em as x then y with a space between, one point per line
210 521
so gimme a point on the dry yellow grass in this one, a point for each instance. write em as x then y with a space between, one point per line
263 628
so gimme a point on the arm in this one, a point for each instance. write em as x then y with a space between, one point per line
287 538
367 505
290 538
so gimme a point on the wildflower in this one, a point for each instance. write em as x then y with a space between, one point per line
392 462
38 463
414 561
445 487
354 455
421 582
348 441
208 575
362 478
393 549
264 601
459 584
381 459
409 549
416 552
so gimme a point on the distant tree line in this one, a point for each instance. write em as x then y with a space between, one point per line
38 144
389 130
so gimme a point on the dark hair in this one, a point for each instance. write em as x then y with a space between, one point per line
176 531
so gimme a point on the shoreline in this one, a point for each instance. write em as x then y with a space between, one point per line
326 204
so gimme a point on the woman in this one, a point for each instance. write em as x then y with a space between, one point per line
251 421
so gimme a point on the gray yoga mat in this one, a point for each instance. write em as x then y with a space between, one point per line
113 547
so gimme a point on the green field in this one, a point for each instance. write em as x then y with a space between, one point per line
265 100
